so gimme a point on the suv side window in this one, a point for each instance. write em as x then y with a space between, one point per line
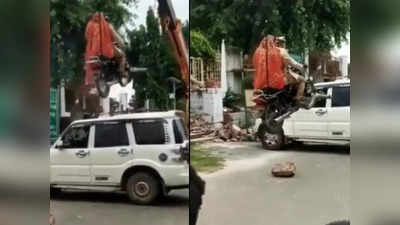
150 131
321 103
111 134
341 96
179 131
76 137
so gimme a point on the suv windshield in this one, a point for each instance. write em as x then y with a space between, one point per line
180 131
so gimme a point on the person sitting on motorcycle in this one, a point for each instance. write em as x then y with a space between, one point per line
118 52
268 66
292 78
102 41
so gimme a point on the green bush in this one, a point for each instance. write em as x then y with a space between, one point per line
232 100
200 46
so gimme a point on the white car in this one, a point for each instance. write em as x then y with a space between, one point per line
144 154
327 122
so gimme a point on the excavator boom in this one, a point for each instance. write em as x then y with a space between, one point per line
173 27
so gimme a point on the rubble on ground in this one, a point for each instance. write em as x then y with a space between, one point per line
226 131
200 127
287 169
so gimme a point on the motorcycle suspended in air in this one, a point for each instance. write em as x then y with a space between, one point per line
278 105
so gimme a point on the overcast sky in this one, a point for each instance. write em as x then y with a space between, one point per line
181 10
344 50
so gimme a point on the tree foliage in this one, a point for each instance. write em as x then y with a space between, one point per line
148 47
68 20
151 49
200 46
313 24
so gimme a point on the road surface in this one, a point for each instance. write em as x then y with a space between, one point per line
244 192
85 208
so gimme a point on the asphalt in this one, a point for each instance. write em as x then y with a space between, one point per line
89 208
245 193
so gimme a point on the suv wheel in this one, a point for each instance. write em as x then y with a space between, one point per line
143 188
271 140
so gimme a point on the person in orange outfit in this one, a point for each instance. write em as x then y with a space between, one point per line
268 65
99 42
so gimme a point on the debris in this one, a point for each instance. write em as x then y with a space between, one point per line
287 169
220 132
227 118
200 128
203 139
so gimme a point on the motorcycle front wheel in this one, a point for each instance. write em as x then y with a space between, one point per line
271 140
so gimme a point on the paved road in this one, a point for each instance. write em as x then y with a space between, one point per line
84 208
245 192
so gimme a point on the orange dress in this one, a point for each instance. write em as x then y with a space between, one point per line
268 65
99 42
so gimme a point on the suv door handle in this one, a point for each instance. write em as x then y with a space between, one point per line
81 154
321 112
123 152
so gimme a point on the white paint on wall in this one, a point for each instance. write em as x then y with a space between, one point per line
209 103
224 86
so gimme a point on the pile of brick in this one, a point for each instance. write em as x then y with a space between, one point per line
199 128
225 132
228 131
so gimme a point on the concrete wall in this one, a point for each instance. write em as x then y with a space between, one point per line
234 82
234 59
234 62
208 102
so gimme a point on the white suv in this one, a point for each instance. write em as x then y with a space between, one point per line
327 122
144 154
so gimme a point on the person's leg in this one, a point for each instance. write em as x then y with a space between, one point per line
290 80
121 60
122 65
301 85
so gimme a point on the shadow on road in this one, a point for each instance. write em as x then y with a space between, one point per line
172 200
320 148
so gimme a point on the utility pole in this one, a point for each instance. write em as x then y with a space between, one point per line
146 101
172 95
306 61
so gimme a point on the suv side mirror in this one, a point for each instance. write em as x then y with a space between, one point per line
59 145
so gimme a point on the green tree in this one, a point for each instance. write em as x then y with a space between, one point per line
151 49
200 46
68 21
313 24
